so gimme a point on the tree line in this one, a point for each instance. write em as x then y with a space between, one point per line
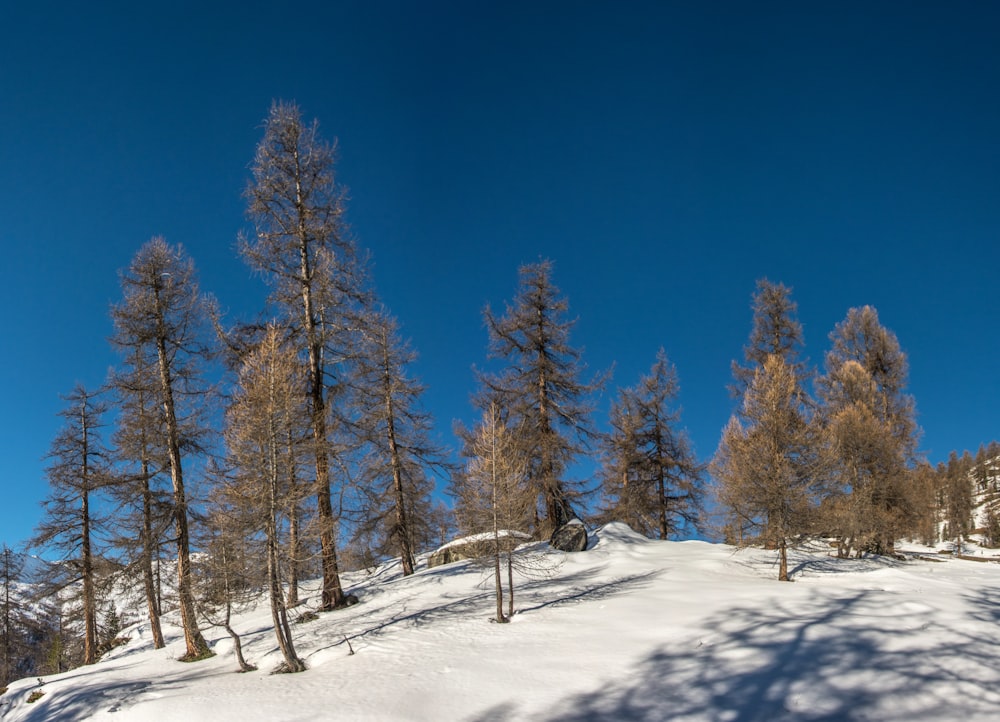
315 453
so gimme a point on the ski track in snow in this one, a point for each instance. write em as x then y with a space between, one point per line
631 629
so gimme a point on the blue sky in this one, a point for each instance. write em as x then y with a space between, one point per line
664 155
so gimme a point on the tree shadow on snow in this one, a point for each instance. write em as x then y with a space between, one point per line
375 620
865 656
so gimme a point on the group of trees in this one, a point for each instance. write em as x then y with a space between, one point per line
841 463
315 438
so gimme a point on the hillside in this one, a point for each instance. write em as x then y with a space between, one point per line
631 629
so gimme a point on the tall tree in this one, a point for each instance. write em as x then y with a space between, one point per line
142 456
78 470
160 317
397 430
651 479
765 464
267 403
301 246
12 616
871 430
540 390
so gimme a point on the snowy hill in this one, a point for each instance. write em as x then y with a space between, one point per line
631 629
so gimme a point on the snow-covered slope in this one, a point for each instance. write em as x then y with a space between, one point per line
631 629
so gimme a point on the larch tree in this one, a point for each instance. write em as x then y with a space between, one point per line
775 331
765 466
79 468
397 431
161 318
141 457
651 479
268 401
228 575
541 391
491 500
871 431
301 246
12 614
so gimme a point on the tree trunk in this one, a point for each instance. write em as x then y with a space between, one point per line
195 645
293 523
510 581
279 614
89 601
402 523
500 618
149 582
783 561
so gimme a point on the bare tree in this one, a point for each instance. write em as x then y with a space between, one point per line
491 498
267 403
766 465
541 389
160 317
78 470
142 457
228 574
650 477
12 616
301 246
397 430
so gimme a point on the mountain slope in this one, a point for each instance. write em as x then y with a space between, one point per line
631 629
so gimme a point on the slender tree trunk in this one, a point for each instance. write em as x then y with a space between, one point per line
89 600
195 644
226 623
510 581
496 523
149 583
783 560
333 593
662 503
402 523
294 553
279 615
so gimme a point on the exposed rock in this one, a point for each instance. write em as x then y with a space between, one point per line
350 600
474 547
570 537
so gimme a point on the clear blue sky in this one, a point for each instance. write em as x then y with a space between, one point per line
664 155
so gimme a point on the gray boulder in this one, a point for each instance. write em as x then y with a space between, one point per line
570 537
475 547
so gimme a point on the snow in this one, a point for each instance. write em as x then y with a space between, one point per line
631 629
483 537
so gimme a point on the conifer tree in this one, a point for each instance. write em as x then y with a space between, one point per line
775 331
79 468
12 618
267 403
397 431
766 462
161 318
540 390
650 477
301 246
491 499
141 455
871 431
